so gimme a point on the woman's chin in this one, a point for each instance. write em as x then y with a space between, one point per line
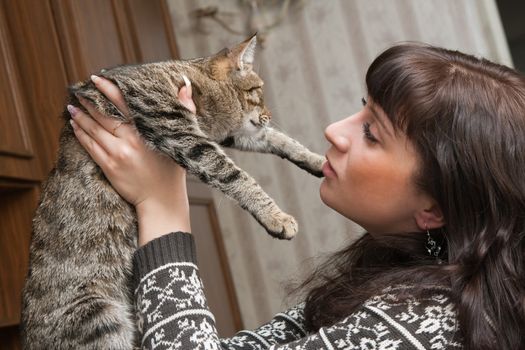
327 195
322 191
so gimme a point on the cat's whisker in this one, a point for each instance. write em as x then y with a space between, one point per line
276 126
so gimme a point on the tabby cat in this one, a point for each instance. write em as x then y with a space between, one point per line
78 290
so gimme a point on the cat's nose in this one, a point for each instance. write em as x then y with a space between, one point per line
267 113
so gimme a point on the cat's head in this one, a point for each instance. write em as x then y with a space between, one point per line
241 93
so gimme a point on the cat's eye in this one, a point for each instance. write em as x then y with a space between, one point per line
368 134
254 88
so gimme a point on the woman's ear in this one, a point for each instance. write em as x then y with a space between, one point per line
430 217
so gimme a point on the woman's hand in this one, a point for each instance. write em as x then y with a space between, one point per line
151 181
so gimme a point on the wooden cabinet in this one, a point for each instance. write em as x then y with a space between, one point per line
45 45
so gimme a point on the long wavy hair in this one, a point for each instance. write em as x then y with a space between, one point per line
465 117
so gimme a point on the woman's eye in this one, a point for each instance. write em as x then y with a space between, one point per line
363 101
368 134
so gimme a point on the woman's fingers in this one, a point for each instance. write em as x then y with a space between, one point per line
109 124
97 153
97 132
114 126
112 92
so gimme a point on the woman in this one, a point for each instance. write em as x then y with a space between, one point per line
431 167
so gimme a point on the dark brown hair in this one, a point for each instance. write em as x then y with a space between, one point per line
466 118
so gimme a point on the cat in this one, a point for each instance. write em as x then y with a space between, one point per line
78 289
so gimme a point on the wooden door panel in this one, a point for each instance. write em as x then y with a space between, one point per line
150 32
13 131
16 211
119 31
15 144
93 30
41 81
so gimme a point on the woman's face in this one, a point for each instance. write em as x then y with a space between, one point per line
369 173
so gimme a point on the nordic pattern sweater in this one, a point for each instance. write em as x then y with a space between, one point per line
172 313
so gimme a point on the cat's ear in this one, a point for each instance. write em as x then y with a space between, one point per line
239 58
242 55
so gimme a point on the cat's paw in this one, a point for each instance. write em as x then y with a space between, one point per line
313 163
282 226
317 165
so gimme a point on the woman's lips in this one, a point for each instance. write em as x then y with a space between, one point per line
328 171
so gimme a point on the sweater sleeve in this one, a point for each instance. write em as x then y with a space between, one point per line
171 307
172 313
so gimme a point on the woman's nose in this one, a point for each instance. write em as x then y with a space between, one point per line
338 134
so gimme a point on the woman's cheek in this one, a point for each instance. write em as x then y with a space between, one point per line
368 179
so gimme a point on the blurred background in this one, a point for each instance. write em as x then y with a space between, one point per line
313 56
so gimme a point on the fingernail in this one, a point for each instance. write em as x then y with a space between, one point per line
73 124
72 110
186 81
95 78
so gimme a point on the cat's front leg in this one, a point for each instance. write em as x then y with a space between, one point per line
211 165
269 140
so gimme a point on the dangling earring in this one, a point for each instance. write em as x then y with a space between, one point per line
432 247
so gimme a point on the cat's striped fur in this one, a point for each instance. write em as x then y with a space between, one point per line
77 293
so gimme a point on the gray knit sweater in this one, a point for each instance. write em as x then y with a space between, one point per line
173 313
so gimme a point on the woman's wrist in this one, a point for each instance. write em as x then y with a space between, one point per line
159 217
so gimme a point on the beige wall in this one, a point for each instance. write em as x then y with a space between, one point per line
314 65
